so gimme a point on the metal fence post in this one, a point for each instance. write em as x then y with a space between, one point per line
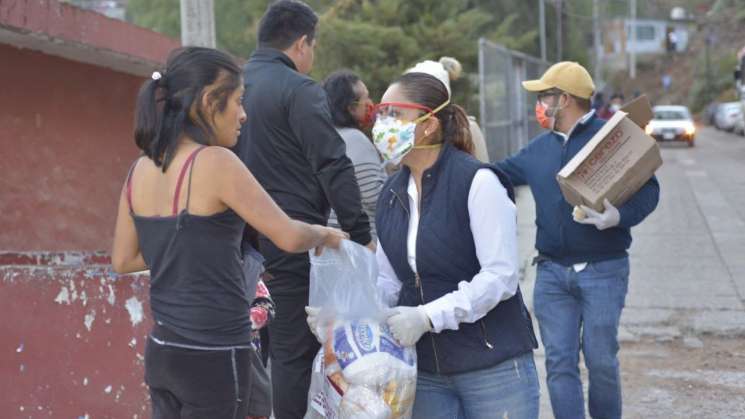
482 87
506 118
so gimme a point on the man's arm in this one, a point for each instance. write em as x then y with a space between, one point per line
310 121
641 204
515 166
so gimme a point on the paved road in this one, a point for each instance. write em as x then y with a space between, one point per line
688 257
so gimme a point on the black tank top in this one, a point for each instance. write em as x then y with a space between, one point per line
197 289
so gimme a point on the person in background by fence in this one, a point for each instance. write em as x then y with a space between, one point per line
182 213
613 106
449 69
352 111
583 264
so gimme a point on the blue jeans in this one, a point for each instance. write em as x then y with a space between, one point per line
509 389
582 310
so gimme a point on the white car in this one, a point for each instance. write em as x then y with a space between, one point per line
672 123
727 115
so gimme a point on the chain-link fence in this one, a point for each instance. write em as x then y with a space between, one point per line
507 110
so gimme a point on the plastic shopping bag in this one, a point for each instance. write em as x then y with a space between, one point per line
361 371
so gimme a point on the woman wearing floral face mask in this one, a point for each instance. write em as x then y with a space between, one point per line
447 258
352 113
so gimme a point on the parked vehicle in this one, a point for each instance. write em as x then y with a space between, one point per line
727 115
740 125
740 88
710 113
672 123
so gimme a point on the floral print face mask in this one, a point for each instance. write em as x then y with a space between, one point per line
395 138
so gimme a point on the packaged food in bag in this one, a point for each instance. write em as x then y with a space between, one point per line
361 371
361 402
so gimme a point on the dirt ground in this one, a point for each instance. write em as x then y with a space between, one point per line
672 380
702 379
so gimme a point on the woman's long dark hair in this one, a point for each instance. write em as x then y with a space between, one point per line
171 106
339 87
426 90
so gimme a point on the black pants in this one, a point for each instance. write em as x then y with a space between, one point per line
291 350
292 346
198 384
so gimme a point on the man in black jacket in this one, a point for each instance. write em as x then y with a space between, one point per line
289 143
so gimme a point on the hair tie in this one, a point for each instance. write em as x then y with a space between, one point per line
156 75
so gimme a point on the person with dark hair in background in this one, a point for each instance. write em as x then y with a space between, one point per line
613 106
616 102
447 260
598 101
583 264
352 111
182 213
290 144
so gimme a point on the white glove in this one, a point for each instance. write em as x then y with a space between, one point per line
313 322
408 324
607 219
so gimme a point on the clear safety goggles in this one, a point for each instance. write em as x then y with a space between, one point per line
394 110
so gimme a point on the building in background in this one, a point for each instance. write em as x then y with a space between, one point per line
115 9
654 37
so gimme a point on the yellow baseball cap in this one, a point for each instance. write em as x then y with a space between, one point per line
567 76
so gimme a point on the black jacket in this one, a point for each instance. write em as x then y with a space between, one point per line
292 148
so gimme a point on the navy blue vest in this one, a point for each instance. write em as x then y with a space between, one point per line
446 255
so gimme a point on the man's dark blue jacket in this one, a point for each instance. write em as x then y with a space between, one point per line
558 236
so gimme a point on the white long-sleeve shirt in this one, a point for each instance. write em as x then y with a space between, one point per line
494 228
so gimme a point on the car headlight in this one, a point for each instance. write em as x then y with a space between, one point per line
649 130
690 129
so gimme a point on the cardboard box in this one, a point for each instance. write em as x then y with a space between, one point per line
615 163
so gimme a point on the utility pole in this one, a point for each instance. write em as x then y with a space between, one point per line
198 23
597 42
632 41
559 29
707 46
542 24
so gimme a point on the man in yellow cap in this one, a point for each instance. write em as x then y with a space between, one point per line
583 264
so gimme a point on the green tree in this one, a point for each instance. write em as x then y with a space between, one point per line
379 39
235 21
159 15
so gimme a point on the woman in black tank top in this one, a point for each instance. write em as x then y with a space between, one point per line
182 212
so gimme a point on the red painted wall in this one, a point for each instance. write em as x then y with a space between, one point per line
73 338
72 334
65 147
54 19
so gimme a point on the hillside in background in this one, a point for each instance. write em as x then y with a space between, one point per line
726 24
